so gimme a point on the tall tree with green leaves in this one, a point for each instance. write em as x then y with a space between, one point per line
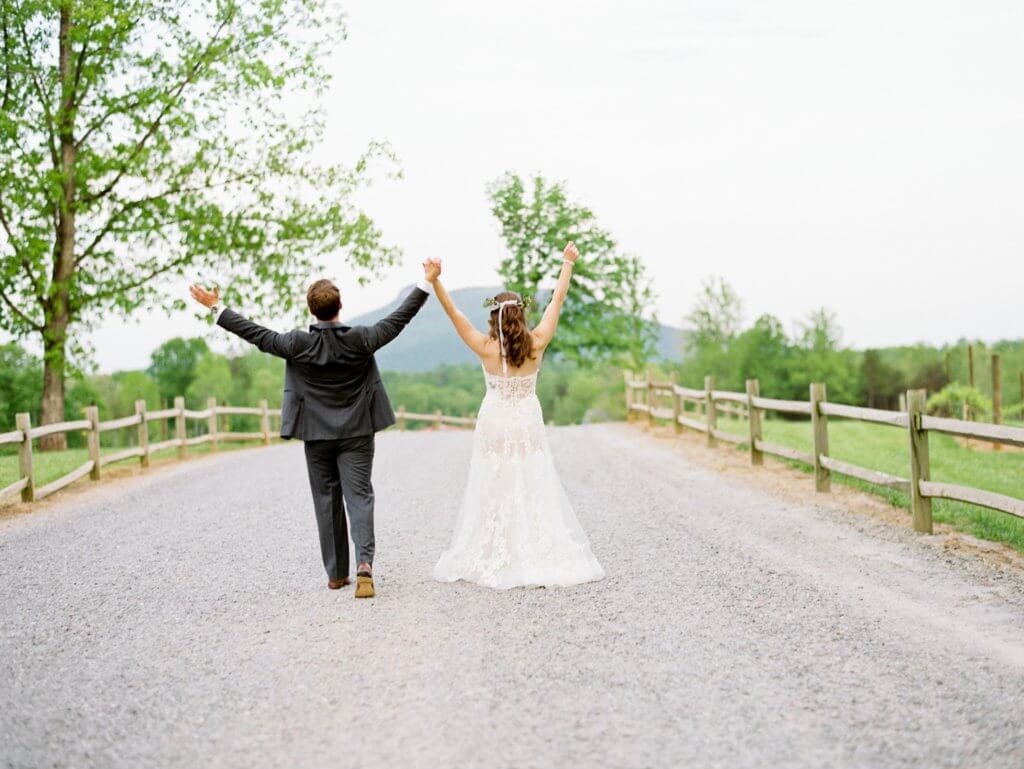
143 140
713 326
173 365
717 314
608 313
20 384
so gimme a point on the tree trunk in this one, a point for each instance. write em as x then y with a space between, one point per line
56 307
53 387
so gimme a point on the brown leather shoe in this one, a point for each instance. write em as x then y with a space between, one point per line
338 584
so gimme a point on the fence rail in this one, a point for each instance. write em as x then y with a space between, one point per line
93 428
644 396
404 417
177 416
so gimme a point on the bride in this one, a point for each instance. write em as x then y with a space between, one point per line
516 526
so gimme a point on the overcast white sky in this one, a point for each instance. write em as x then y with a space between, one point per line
867 156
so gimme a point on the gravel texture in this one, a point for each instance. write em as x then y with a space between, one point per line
181 619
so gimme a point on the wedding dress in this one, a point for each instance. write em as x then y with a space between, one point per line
515 527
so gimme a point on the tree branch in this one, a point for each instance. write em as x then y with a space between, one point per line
132 204
98 123
14 308
6 224
41 94
172 96
8 79
78 71
124 287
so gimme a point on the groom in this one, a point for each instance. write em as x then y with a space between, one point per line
334 401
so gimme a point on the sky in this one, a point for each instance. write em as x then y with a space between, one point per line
865 156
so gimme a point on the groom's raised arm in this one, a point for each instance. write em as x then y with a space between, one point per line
282 345
267 340
384 330
387 328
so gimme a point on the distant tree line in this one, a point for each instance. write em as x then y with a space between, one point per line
570 392
785 363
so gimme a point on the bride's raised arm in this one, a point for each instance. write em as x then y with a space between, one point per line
545 330
474 339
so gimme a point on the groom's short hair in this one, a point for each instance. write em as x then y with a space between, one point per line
324 299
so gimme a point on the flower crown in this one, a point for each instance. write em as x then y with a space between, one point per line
492 304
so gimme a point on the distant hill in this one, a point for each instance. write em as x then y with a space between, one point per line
430 340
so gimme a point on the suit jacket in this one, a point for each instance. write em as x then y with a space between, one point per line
332 387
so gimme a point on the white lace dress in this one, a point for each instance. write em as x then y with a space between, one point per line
515 527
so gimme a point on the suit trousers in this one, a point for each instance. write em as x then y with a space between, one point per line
341 469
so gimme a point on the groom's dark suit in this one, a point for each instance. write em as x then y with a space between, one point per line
334 401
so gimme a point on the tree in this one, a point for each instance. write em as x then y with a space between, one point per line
882 382
713 326
116 394
819 357
173 365
144 140
20 384
256 376
608 311
821 331
763 352
717 315
212 380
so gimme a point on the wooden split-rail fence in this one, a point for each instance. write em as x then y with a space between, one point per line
688 408
25 434
93 428
438 419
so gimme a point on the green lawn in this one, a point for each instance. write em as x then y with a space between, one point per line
51 465
884 448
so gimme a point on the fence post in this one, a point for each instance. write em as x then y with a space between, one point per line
265 422
92 413
677 405
997 395
754 420
23 422
903 402
211 423
710 412
401 418
140 409
179 426
437 417
627 375
920 466
819 427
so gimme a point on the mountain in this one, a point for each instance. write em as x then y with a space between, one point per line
430 340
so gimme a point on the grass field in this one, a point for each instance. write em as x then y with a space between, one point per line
884 448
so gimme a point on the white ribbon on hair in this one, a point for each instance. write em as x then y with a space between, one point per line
500 307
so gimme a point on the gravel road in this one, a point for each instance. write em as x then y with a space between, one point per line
181 619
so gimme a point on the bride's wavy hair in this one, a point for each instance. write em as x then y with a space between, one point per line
518 339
